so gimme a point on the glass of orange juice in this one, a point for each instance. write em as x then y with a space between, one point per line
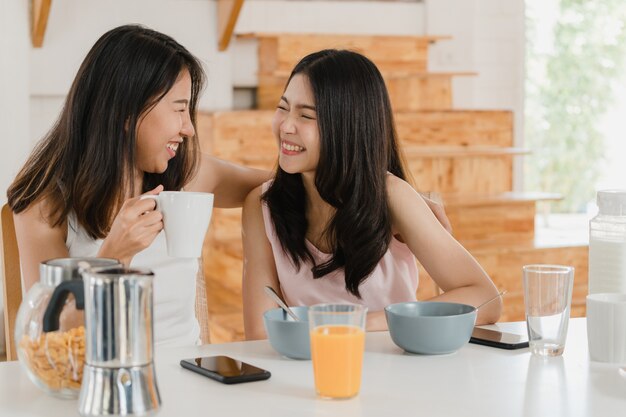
337 345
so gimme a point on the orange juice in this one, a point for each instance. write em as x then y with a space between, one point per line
337 353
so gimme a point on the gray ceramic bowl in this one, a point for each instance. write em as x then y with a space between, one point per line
430 327
288 337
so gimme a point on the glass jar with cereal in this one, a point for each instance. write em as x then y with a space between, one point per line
53 361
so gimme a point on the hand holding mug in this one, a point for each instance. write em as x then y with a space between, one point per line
134 228
186 217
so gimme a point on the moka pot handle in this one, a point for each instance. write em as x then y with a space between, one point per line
57 302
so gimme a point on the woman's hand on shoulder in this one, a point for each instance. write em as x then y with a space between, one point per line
134 228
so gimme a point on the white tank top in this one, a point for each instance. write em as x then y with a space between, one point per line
175 322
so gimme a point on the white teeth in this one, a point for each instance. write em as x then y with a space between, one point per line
173 146
292 148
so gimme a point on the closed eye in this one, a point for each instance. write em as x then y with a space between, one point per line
306 116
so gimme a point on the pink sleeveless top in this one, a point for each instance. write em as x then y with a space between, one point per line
393 280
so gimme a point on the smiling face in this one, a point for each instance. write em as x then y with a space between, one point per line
295 127
164 127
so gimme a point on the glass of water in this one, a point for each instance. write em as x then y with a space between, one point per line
547 296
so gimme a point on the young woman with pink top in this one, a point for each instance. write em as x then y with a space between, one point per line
339 222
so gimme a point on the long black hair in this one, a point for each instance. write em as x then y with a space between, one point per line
358 146
86 162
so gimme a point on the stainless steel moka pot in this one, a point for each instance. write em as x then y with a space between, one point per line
119 376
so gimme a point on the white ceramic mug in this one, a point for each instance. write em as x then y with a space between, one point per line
186 217
606 327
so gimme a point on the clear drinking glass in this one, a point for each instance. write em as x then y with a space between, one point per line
337 345
547 296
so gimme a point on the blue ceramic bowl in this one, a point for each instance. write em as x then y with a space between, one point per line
430 328
288 337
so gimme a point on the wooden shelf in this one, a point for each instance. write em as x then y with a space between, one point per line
399 75
39 12
512 197
227 14
428 38
282 76
460 151
279 52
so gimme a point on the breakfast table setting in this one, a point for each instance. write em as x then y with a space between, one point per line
318 360
475 380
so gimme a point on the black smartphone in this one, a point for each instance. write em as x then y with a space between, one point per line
225 369
498 339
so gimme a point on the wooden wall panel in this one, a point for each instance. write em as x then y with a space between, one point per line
228 131
428 91
239 137
504 266
493 224
222 267
269 90
246 138
431 92
455 128
479 174
280 53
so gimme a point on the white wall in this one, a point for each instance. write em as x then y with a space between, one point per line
75 25
14 46
488 38
14 87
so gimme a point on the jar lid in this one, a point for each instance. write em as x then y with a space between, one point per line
54 271
612 202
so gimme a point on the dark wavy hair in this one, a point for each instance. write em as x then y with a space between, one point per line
358 146
86 162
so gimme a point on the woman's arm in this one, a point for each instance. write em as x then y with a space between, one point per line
37 241
259 268
229 182
436 206
454 270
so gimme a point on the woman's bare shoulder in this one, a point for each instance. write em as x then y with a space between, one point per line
38 220
253 200
40 211
255 194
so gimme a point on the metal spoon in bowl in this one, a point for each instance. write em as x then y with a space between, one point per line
274 296
500 294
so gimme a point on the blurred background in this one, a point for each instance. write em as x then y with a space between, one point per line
557 66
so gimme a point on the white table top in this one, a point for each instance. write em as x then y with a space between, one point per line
475 381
